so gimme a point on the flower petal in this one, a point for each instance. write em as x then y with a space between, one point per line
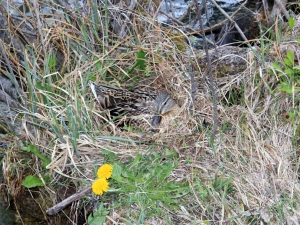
105 171
99 186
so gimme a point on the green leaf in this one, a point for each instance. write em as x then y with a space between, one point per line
26 149
157 196
98 64
289 89
96 220
290 56
136 161
292 115
117 170
164 171
85 35
289 71
285 88
140 62
275 66
32 181
34 150
291 23
141 59
99 217
287 62
117 173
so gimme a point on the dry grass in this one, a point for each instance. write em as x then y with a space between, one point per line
250 174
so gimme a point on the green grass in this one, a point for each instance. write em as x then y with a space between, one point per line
141 185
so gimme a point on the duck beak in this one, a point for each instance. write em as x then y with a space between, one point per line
156 120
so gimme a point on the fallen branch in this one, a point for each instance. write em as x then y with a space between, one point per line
60 206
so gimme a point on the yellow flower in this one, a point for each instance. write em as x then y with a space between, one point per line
105 171
99 186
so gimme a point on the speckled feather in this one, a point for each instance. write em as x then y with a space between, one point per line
120 101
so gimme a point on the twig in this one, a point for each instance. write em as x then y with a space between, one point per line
216 26
193 31
231 20
60 206
282 8
172 18
185 14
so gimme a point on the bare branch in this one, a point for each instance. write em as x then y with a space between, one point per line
60 206
231 20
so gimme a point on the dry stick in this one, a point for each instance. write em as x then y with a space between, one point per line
197 32
60 206
185 14
282 8
231 20
172 18
220 23
186 27
211 79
